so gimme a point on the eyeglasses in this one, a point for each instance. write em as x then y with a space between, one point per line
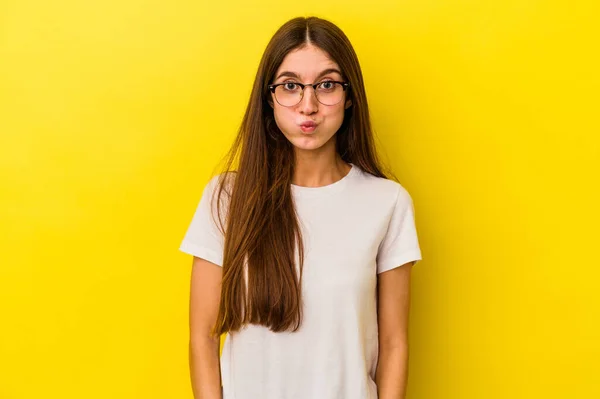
328 92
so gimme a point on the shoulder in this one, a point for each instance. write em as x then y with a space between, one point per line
226 179
212 194
382 187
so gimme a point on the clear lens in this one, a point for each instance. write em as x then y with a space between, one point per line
328 93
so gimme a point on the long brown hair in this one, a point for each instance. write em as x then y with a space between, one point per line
262 229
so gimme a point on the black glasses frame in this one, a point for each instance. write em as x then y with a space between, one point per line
272 88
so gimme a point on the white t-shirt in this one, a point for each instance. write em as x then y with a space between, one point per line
353 229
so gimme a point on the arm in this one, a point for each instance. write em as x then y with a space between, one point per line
203 349
393 290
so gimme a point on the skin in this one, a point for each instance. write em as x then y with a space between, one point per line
318 164
393 293
205 293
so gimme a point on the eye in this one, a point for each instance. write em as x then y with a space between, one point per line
327 85
290 86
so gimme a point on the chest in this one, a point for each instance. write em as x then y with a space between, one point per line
341 244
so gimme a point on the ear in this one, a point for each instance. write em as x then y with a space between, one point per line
348 104
270 99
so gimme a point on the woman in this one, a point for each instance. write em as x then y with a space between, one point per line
297 253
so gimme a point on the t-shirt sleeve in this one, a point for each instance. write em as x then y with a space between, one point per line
203 237
400 244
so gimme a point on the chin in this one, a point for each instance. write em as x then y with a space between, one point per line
303 145
309 142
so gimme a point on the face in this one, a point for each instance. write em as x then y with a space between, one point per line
306 65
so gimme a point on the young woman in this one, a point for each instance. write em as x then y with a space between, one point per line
303 253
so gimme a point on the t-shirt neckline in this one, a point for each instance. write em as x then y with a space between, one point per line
326 190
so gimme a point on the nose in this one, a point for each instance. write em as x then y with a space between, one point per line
309 102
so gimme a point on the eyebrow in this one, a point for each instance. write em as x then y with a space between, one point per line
294 75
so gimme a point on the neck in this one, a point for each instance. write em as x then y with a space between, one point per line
316 170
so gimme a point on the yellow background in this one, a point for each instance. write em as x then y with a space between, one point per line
113 115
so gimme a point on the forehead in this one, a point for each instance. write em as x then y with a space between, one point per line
306 62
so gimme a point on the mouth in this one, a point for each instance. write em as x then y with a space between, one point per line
308 126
